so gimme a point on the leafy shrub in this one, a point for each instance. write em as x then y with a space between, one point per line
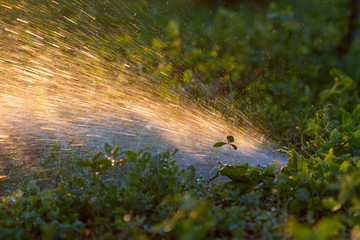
276 64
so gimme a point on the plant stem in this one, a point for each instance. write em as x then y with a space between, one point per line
232 154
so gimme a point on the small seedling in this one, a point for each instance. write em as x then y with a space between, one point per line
229 143
230 140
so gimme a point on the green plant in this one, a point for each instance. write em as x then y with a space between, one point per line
275 64
229 143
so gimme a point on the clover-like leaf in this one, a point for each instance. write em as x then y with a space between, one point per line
219 144
230 139
233 146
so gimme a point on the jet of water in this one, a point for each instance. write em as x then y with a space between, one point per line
51 95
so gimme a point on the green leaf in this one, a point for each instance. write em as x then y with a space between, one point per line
85 163
166 155
328 228
334 136
346 81
300 231
302 194
311 129
96 156
294 161
104 163
173 28
157 43
330 204
192 173
236 173
296 205
215 172
188 75
290 147
116 150
345 117
234 146
175 151
345 195
356 113
270 171
347 166
131 155
108 148
320 141
230 139
219 144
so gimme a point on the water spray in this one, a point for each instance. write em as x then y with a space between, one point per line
52 90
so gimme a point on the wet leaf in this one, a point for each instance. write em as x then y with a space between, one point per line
131 155
230 139
116 150
233 146
108 148
219 144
